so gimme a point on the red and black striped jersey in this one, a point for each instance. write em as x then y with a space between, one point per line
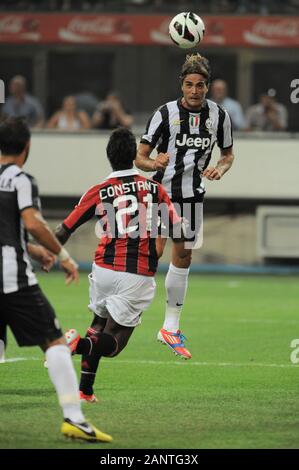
128 208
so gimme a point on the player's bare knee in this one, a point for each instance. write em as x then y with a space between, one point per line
186 256
182 259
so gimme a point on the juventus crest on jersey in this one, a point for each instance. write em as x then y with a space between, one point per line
18 191
189 138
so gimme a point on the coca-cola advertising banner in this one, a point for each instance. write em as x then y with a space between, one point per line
253 31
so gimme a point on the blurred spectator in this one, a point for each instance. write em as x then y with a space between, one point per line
267 115
234 109
110 114
20 104
68 118
87 102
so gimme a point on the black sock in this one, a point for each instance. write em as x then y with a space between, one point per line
100 344
84 346
89 366
92 347
3 333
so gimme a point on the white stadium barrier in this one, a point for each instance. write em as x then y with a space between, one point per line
265 167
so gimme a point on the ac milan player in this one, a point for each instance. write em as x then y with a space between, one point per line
122 283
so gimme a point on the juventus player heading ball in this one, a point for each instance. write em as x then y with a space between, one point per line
184 132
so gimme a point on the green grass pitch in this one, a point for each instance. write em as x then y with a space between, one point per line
239 390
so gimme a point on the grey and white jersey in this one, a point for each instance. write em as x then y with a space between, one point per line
18 191
189 138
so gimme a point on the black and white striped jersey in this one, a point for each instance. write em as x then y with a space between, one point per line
18 191
189 138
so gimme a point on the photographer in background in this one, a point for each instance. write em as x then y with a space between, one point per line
111 114
267 115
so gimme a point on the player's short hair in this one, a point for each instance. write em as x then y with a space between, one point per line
14 135
195 63
121 149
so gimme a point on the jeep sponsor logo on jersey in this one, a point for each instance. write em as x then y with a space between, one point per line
192 141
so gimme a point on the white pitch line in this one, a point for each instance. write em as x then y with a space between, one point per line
199 364
172 363
19 359
270 322
254 320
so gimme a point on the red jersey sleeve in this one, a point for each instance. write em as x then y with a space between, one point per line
84 210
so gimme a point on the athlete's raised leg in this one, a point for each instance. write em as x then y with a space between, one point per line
176 283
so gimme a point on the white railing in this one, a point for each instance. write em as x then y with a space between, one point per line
266 165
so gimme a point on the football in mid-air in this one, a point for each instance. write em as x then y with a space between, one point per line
186 30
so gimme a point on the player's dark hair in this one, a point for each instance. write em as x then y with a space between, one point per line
14 135
121 149
195 63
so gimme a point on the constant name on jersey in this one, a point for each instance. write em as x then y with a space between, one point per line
129 187
192 141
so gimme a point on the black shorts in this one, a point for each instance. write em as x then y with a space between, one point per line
30 316
191 210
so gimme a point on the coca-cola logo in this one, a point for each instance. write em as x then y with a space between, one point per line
31 24
84 30
164 26
17 24
284 28
11 25
92 26
26 28
161 35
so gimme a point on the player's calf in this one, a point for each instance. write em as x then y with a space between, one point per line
95 343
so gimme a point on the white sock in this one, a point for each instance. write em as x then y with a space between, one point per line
176 284
2 351
64 379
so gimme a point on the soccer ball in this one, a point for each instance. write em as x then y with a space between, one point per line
186 30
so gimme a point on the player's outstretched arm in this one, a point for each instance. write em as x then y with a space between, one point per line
42 256
41 232
69 266
61 234
223 165
145 163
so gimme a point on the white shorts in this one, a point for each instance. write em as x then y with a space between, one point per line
122 295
